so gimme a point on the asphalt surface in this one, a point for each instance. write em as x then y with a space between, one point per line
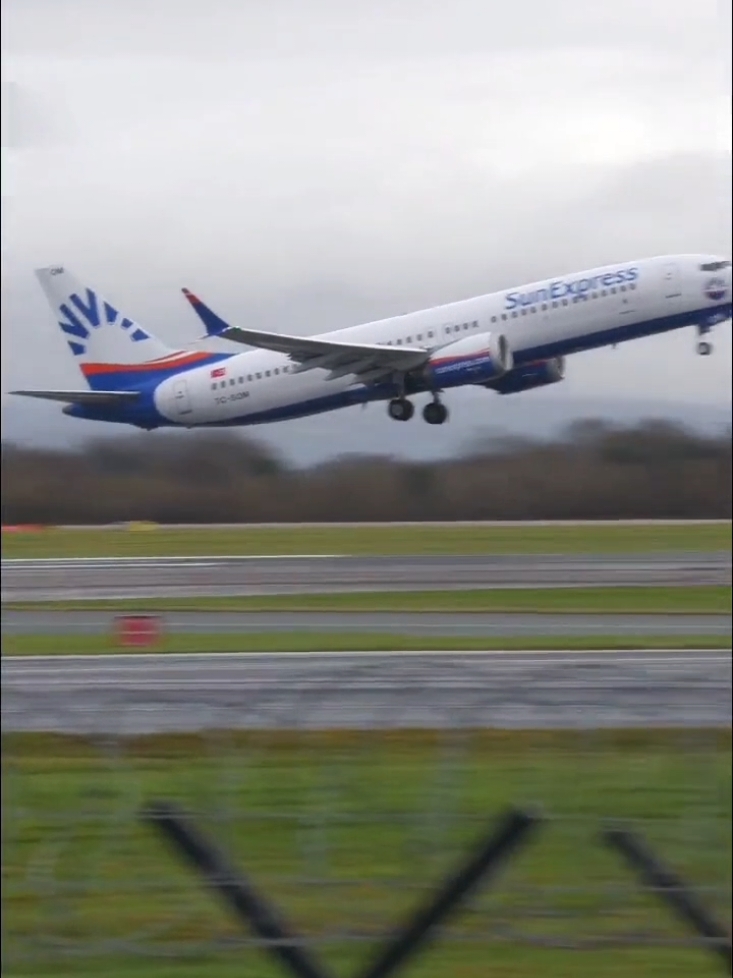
143 577
150 694
392 623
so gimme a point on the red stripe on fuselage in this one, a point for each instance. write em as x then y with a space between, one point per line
461 358
184 360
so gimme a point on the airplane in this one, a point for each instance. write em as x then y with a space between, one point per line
510 341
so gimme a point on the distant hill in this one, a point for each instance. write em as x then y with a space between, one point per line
475 415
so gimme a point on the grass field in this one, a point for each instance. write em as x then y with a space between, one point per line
362 813
609 600
458 539
348 642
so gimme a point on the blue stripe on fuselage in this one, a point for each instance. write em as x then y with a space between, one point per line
623 333
362 395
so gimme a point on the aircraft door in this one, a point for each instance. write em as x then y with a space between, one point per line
181 398
671 281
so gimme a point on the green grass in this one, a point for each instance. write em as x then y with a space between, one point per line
611 600
366 812
349 642
458 539
438 961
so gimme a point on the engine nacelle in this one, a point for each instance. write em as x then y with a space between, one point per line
473 360
529 376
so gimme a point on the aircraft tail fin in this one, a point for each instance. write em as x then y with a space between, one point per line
111 349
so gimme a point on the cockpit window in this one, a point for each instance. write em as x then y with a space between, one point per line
714 266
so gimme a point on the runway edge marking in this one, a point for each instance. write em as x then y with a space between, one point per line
712 653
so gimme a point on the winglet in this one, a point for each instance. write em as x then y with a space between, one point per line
214 325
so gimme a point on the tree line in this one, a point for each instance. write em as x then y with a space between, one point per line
654 470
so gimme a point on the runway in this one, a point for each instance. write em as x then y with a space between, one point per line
139 577
154 694
390 623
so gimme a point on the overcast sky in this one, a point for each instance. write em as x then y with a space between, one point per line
310 165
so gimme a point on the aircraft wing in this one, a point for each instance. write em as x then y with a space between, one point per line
367 361
81 397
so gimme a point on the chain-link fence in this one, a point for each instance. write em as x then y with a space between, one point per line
346 787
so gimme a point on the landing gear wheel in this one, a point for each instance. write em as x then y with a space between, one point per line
704 348
400 409
435 413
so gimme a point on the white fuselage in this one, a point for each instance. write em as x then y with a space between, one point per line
555 317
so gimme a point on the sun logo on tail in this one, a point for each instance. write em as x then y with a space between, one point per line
81 316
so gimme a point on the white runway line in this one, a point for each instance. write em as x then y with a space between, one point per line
159 561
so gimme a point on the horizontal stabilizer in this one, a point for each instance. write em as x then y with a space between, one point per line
82 397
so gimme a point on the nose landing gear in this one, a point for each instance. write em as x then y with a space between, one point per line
704 347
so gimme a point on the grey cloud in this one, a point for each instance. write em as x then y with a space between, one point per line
307 166
398 28
31 121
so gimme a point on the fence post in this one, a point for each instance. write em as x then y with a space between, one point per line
234 888
512 830
669 887
249 906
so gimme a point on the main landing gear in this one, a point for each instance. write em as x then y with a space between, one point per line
400 409
435 412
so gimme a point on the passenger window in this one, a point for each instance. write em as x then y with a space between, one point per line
613 290
533 310
554 304
493 319
419 337
213 387
475 324
514 315
465 325
399 342
223 383
544 307
623 288
232 382
632 286
259 376
564 302
277 371
408 340
604 293
503 316
430 335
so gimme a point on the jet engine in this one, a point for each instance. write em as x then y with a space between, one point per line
475 359
529 376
